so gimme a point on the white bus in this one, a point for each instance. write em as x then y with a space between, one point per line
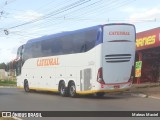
94 60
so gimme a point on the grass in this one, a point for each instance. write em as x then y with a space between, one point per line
7 83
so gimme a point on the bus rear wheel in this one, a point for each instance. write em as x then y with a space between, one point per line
72 90
63 90
26 86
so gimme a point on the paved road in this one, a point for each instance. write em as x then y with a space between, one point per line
13 99
17 99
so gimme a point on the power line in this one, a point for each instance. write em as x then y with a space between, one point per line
7 2
73 11
77 18
104 8
56 3
64 9
82 8
53 22
53 19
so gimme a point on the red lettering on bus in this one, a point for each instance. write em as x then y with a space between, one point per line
119 33
48 62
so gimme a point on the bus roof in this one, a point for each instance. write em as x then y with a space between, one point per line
63 34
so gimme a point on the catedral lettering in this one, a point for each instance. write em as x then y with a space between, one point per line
48 62
149 40
119 33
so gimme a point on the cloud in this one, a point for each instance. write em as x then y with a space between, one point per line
27 16
131 9
150 14
14 50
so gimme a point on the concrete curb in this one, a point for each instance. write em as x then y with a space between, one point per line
154 97
139 95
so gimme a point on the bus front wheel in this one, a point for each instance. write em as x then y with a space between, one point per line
26 86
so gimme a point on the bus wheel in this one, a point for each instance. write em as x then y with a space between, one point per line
100 94
63 90
72 90
26 86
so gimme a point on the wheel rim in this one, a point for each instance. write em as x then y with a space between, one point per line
26 86
72 90
62 89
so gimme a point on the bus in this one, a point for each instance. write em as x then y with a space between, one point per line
94 60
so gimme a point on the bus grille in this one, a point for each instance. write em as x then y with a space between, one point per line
114 58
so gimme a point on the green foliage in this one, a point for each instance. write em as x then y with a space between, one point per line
7 82
8 66
3 66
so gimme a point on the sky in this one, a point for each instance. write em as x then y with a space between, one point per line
27 19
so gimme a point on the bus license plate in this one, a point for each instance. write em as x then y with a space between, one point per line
116 86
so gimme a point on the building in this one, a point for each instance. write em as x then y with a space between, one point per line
148 51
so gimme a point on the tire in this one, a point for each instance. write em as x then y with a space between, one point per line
26 86
63 90
100 94
72 90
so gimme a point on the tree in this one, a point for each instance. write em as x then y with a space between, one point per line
3 66
10 66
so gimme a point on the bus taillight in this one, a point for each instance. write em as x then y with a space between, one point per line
100 76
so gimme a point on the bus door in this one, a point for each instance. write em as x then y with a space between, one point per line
85 79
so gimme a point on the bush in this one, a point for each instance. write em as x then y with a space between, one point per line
7 82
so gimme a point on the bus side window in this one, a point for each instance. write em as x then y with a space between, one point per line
99 37
67 44
83 48
27 52
90 38
36 50
19 60
18 67
56 48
